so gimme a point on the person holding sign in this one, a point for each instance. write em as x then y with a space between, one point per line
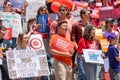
114 57
43 20
4 45
87 71
22 44
62 49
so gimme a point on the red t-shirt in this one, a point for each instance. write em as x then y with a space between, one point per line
86 44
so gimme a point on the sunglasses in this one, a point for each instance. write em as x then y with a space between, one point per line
43 10
62 10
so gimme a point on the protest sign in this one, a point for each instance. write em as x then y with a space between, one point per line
61 44
109 13
98 34
1 5
43 20
27 63
36 41
17 3
31 10
106 64
104 44
8 34
12 20
93 56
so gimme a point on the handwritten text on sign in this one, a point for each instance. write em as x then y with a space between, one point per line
12 20
27 63
93 56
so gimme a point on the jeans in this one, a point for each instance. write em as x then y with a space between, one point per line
81 75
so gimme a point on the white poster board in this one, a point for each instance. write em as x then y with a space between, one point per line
106 65
93 56
1 5
27 63
32 8
12 20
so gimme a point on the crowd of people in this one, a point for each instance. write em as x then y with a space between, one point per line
82 34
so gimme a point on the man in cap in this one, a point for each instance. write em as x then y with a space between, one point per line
108 27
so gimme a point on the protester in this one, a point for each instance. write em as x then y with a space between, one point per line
5 45
22 44
114 57
104 3
62 60
77 29
45 30
108 27
61 16
87 71
33 32
7 6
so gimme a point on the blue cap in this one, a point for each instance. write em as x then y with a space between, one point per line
111 36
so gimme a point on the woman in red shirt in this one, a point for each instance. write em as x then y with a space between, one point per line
87 71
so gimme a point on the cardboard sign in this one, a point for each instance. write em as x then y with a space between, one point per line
98 34
27 63
12 20
31 10
17 3
109 13
43 20
36 41
1 5
104 44
92 56
8 34
61 44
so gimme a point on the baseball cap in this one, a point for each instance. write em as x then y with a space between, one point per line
111 36
109 20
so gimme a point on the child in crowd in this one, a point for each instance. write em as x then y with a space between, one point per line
114 57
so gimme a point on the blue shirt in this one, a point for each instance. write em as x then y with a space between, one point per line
112 53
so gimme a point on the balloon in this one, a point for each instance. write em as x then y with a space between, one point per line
55 6
68 3
58 1
49 0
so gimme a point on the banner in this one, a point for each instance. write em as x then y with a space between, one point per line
61 44
27 63
43 20
12 20
31 10
109 13
104 44
93 56
17 3
1 5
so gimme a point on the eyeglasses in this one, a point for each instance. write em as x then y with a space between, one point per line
62 10
44 10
